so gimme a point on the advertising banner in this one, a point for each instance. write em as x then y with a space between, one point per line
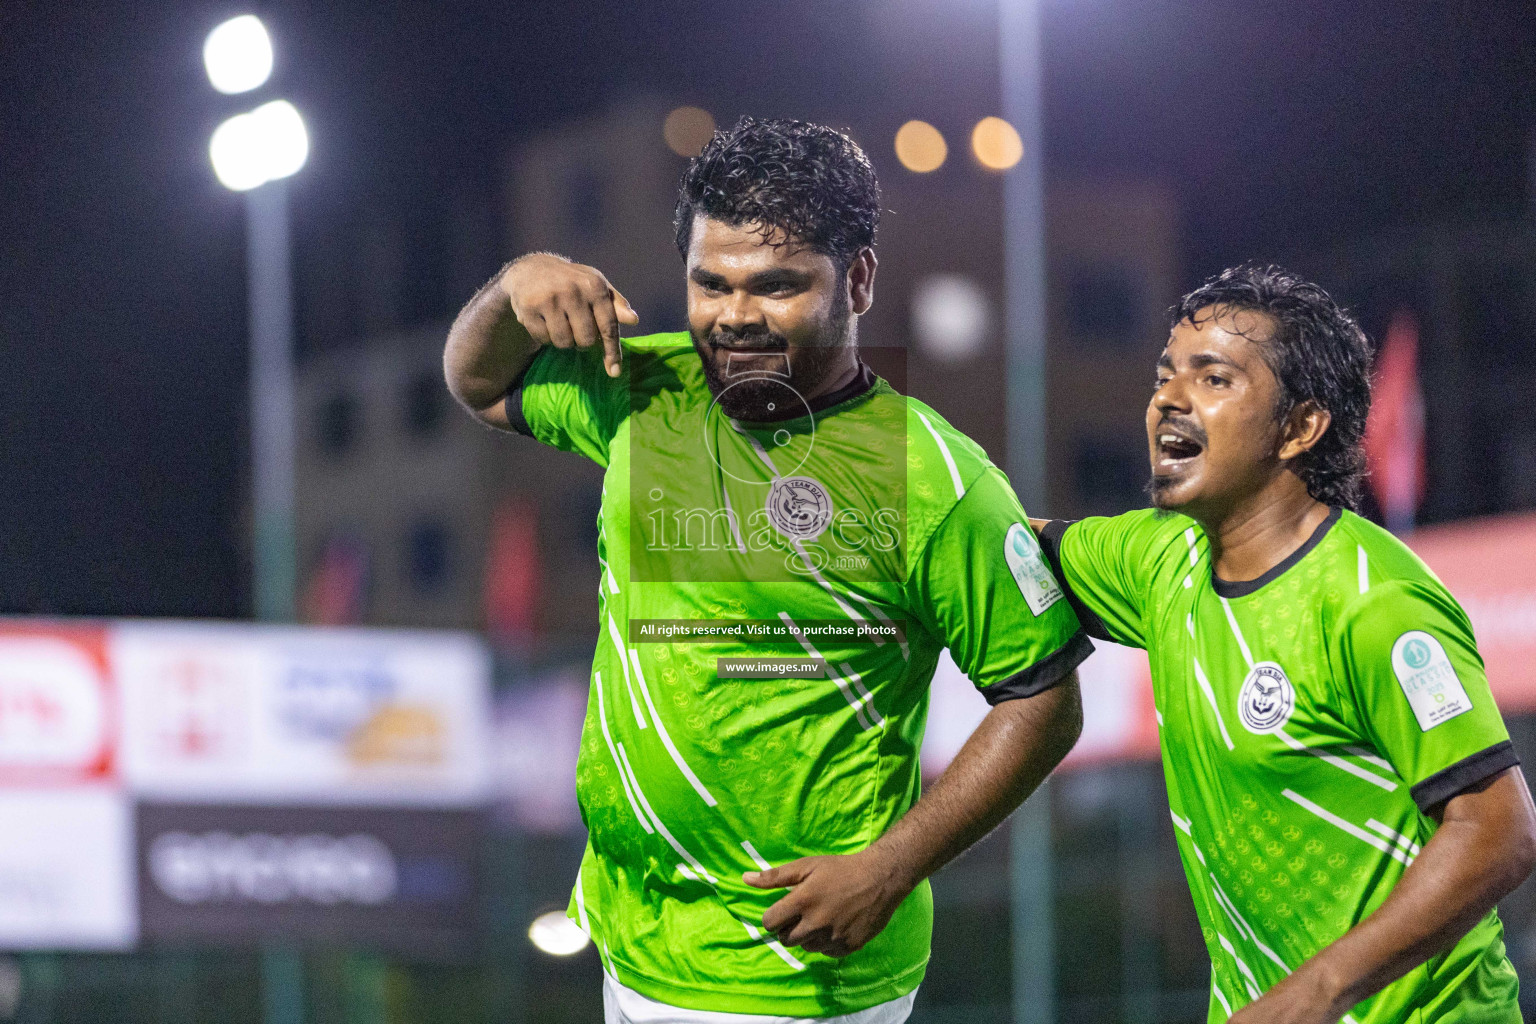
66 869
321 784
536 738
58 706
400 877
221 712
1119 721
1490 567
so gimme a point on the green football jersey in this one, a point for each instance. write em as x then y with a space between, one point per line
1309 720
860 529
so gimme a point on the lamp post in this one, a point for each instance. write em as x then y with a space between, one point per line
254 153
1019 60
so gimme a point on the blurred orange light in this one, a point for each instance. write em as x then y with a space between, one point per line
687 130
996 144
920 147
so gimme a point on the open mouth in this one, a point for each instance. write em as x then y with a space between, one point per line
1176 448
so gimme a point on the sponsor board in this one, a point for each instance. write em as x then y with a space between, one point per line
211 717
58 714
536 739
273 714
1489 565
397 877
66 875
1119 721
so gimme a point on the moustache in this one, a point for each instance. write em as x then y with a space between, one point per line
760 340
1188 428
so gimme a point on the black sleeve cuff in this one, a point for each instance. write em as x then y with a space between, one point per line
1050 542
1043 674
515 418
1469 771
514 401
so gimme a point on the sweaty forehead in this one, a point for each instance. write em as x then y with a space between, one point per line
1220 334
747 248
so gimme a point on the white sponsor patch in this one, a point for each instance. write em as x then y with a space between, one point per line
1027 563
1266 700
1424 672
799 507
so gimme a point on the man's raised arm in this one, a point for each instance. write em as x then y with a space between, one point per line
538 299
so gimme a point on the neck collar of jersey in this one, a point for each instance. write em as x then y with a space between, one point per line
862 382
1229 590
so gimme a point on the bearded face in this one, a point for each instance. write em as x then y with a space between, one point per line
772 323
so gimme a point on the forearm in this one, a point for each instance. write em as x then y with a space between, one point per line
487 349
1011 752
1471 862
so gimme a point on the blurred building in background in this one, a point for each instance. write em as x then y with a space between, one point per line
1470 286
410 513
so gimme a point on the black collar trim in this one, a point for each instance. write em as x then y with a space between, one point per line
863 381
1230 590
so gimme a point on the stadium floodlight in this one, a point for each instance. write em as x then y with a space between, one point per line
556 934
238 55
264 145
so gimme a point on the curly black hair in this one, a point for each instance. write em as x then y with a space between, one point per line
1317 352
800 182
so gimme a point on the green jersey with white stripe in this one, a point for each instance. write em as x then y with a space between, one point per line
1309 721
861 530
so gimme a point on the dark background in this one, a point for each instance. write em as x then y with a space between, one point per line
1281 128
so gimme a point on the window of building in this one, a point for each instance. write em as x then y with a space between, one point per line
337 424
426 404
1105 304
427 556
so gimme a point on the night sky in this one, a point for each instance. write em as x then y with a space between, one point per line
1281 128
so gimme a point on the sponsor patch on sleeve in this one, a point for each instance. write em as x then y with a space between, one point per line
1027 563
1424 671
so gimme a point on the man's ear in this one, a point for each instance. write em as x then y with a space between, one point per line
861 280
1304 427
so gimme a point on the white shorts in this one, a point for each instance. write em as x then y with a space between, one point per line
626 1006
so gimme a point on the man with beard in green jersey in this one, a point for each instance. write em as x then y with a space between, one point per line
771 506
1347 805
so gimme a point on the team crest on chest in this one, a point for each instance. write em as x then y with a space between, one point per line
1266 700
799 507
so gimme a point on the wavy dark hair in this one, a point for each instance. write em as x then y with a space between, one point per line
801 182
1317 352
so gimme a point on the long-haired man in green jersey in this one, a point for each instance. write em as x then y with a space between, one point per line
766 495
1347 805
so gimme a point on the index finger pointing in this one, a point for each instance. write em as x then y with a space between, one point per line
608 328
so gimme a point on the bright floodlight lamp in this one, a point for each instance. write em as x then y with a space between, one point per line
264 145
238 55
556 934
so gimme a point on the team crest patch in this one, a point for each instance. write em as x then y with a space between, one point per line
1266 700
1027 563
800 508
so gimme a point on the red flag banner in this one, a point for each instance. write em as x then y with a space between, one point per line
336 593
1394 433
513 572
